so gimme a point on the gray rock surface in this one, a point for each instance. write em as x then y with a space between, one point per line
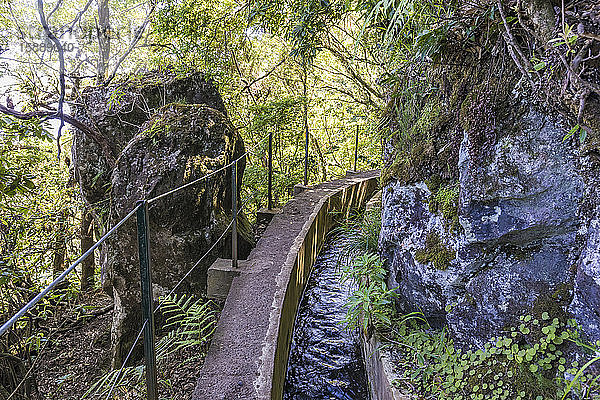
519 240
156 132
586 300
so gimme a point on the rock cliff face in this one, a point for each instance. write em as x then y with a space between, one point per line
492 215
159 148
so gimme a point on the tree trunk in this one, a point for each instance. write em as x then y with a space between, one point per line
60 246
103 39
88 266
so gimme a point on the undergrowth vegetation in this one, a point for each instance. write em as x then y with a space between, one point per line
536 360
190 323
544 357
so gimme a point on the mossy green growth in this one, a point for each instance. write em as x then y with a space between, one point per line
435 252
429 118
553 303
444 199
417 141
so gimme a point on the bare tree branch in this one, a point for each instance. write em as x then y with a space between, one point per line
56 7
77 18
52 114
356 76
248 85
61 63
134 42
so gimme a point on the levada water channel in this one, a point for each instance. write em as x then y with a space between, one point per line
325 361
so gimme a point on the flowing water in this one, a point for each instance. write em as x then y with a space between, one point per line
325 361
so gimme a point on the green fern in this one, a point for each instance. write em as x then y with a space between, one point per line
130 378
192 319
192 322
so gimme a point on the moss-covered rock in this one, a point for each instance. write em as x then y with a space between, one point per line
435 252
514 190
117 112
422 145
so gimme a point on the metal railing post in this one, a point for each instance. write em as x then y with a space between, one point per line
306 156
270 184
356 149
143 231
234 211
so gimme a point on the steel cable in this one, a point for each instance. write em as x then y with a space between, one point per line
8 324
116 380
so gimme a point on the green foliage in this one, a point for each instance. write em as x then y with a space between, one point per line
277 115
38 212
580 378
415 29
16 168
364 268
360 233
304 23
200 35
567 38
192 320
435 252
282 118
519 365
418 117
446 201
123 381
576 131
371 303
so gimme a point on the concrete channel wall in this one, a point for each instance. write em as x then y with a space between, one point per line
248 355
379 368
377 356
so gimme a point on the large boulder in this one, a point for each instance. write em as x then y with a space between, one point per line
117 112
178 145
148 134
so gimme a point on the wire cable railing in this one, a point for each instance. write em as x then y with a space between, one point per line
8 324
120 373
141 209
117 378
204 177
